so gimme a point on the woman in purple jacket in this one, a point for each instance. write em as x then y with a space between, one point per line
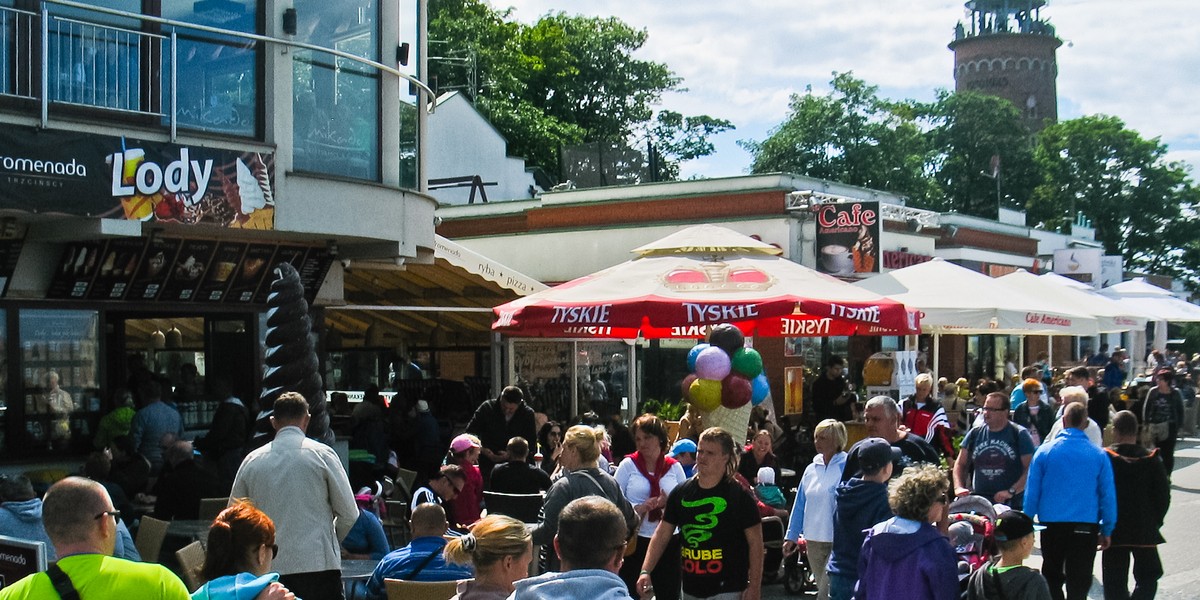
905 556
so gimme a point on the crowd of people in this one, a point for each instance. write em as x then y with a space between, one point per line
684 514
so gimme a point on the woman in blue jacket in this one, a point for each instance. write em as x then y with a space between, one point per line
812 513
237 560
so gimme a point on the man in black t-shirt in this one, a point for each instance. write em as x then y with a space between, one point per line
517 476
882 416
829 397
714 555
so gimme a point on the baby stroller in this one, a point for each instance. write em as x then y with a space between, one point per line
798 578
972 521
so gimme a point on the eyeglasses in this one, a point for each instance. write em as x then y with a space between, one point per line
274 551
994 409
116 514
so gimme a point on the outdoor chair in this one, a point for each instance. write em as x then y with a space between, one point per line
150 536
399 589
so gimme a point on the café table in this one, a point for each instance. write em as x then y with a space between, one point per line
355 574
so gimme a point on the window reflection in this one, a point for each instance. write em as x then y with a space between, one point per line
217 75
336 100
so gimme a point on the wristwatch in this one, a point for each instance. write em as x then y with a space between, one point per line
1012 491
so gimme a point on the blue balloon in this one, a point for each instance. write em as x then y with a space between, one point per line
760 388
693 353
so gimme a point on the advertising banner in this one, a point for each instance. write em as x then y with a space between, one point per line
83 174
847 240
1082 264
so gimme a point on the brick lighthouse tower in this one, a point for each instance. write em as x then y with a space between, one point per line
1008 50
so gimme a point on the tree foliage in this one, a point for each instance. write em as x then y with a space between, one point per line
563 80
850 135
1142 206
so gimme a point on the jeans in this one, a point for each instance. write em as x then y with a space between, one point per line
841 587
1147 569
1068 551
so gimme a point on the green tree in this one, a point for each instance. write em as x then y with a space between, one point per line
853 136
563 80
968 130
1142 206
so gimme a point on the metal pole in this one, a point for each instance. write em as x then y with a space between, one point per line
45 66
174 83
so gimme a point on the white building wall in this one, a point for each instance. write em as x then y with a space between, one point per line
462 143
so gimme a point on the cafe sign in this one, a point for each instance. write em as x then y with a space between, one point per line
75 173
847 240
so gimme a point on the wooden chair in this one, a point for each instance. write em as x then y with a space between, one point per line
523 507
191 560
211 507
150 536
399 589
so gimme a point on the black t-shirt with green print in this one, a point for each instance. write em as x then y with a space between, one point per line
712 524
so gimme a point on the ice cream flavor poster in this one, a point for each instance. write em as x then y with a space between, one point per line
847 239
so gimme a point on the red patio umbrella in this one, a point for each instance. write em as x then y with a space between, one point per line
700 276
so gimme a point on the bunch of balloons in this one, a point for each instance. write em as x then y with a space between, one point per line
724 372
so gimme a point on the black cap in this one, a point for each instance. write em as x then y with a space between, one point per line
1013 525
874 453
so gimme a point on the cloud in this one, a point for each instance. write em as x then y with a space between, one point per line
742 60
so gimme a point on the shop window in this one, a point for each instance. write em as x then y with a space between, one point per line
59 363
335 100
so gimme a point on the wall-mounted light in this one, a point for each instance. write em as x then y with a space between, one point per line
289 21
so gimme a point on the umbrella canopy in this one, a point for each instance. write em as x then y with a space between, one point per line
698 277
1153 301
957 300
1110 316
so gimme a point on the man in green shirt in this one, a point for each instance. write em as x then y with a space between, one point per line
82 523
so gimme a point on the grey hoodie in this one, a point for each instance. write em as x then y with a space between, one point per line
1021 583
593 584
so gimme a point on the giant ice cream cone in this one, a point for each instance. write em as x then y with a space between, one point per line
734 421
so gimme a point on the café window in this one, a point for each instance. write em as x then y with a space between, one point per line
61 403
336 115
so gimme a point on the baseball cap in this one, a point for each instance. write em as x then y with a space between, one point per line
422 406
766 475
684 445
464 442
873 453
1014 525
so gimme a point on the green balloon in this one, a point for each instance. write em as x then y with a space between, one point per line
747 362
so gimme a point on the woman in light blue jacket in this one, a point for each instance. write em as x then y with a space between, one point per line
237 560
811 522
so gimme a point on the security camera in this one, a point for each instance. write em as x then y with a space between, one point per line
346 263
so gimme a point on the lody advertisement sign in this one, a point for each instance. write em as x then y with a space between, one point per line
49 171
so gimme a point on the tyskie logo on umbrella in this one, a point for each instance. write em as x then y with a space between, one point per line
718 276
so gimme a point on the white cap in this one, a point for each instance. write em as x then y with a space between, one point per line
422 406
766 475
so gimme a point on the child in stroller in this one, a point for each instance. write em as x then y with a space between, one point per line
972 520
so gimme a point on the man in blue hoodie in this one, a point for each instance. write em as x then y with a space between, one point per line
861 503
591 545
21 513
1070 490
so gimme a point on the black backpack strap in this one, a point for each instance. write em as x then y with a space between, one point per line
421 566
62 584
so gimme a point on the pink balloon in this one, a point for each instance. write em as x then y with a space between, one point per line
735 391
713 363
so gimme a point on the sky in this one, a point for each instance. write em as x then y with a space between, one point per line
741 60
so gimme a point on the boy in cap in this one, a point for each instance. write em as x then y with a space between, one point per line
861 503
684 451
1007 578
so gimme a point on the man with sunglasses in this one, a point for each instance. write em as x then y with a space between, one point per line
82 523
443 486
993 460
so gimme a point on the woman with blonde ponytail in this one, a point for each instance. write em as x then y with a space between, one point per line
499 549
579 462
721 534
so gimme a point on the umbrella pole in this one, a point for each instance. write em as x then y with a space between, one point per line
937 353
1050 354
631 386
574 378
1020 355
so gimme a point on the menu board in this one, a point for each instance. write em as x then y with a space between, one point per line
73 276
224 262
290 254
10 251
312 272
250 273
120 261
193 260
148 283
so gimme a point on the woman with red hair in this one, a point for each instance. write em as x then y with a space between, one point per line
237 560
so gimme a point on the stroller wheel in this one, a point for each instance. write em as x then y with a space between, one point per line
798 577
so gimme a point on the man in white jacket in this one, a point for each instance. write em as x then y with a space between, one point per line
301 485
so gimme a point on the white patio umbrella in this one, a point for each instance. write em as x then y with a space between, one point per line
1111 316
1153 301
957 300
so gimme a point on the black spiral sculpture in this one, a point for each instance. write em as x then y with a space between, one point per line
291 360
